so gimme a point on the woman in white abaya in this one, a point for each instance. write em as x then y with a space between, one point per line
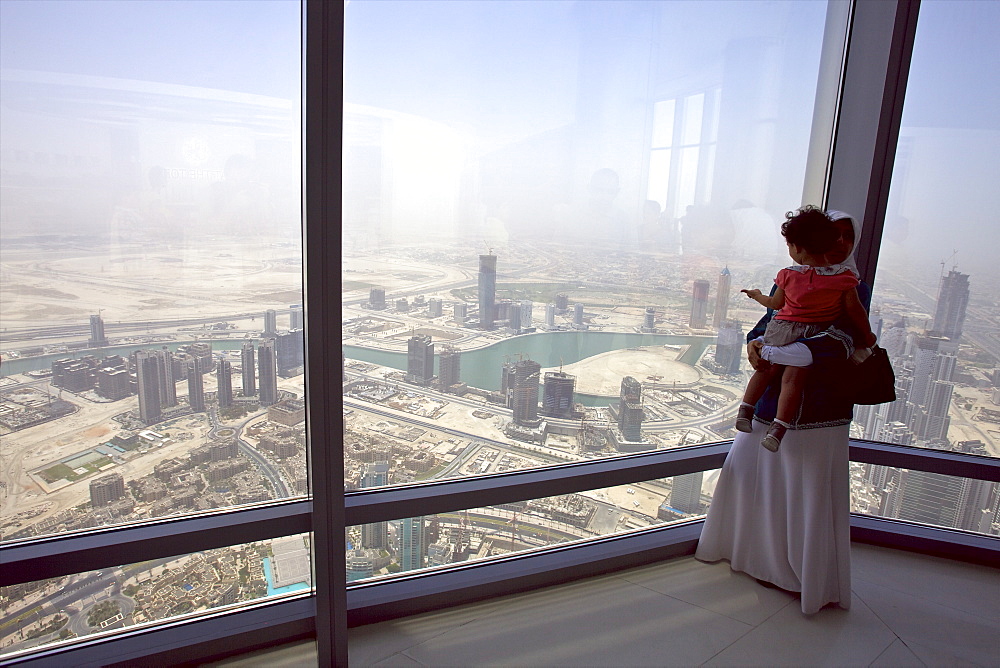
784 517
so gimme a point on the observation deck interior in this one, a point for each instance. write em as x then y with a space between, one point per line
908 609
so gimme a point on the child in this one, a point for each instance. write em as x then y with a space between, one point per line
809 296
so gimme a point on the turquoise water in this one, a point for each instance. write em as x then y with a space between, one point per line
481 368
271 591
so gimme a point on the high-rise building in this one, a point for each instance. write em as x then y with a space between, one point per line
557 394
461 312
148 379
411 543
514 319
649 320
270 323
952 302
578 315
929 498
113 383
196 386
419 359
685 494
97 337
699 304
507 383
168 386
449 368
290 349
249 377
933 421
107 489
487 290
375 536
729 346
268 367
526 309
224 377
525 392
722 298
295 317
550 315
630 413
435 307
376 299
562 303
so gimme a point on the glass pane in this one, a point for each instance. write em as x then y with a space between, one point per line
935 297
663 124
386 548
45 612
926 498
523 255
151 261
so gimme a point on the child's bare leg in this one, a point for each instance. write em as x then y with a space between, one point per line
792 383
758 382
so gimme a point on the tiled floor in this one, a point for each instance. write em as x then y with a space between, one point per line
908 610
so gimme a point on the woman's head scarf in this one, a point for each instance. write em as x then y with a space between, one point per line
835 215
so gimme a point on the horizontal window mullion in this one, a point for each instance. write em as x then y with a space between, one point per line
380 505
110 547
944 462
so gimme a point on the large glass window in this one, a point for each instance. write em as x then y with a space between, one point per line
935 301
150 252
549 210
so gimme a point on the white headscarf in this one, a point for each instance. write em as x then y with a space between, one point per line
835 215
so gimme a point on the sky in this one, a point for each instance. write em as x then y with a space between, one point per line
516 78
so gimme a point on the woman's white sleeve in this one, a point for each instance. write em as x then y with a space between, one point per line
794 354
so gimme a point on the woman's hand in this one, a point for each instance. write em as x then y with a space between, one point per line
753 354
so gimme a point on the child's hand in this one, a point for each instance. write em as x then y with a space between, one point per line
753 294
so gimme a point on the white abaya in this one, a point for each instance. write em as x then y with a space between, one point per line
784 517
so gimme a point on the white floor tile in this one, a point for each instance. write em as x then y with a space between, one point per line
936 627
898 655
582 624
831 637
715 587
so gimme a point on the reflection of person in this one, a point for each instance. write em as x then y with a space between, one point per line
807 298
786 520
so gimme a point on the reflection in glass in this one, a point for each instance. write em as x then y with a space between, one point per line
386 548
40 613
935 299
532 193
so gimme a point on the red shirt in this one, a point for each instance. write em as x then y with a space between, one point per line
812 297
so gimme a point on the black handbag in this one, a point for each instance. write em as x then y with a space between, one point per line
872 381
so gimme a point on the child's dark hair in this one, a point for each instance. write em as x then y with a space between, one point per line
810 229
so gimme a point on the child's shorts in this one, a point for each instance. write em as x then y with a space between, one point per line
783 332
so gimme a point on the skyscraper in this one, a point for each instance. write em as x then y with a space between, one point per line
649 319
148 379
550 315
729 347
525 392
196 386
295 318
557 394
578 315
449 368
270 322
562 302
290 349
375 536
168 386
487 290
630 413
526 308
97 337
685 493
952 302
514 319
249 377
461 312
699 304
411 543
419 359
376 299
267 364
224 376
722 298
